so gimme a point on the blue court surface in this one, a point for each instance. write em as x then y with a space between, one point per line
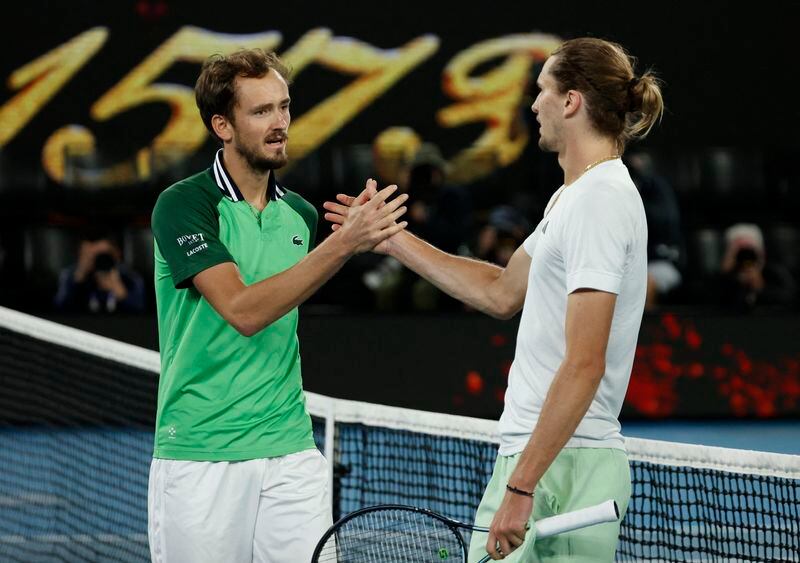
79 494
779 436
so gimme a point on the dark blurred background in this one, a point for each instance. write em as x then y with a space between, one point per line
97 118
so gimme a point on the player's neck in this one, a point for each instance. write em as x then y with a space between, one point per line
251 183
583 153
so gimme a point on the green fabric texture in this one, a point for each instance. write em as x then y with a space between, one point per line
577 478
223 396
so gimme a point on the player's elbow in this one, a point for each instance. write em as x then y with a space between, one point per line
249 324
505 313
587 365
504 307
244 316
245 323
246 330
501 300
244 327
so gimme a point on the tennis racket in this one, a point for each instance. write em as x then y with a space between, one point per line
393 533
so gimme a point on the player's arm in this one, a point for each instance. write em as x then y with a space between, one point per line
587 328
250 308
588 325
496 291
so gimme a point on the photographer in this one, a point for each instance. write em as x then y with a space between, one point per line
746 279
99 282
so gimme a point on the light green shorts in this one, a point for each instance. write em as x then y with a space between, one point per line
577 478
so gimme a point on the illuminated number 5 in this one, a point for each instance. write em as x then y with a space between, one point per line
184 132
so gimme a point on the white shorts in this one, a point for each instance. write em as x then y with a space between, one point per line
264 510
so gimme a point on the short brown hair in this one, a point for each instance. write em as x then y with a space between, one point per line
619 103
215 90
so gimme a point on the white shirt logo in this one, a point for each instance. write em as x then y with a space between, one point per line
190 239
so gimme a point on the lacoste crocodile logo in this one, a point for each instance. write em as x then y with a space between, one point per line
297 240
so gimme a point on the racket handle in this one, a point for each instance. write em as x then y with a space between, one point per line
607 511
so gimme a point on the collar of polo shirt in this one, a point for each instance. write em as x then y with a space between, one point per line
229 188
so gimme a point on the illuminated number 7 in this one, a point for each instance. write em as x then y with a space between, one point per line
376 70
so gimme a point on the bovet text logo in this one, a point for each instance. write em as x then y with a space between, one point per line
192 240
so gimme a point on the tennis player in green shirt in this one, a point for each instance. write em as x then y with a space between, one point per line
235 475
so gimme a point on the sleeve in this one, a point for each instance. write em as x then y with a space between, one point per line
186 228
529 244
597 241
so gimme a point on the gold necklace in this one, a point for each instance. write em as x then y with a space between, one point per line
593 164
585 170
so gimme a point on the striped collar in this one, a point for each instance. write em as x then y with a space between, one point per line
229 188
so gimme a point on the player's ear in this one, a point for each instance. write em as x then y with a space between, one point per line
572 103
222 127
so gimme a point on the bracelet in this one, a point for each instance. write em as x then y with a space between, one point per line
517 491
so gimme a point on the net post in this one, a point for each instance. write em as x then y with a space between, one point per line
330 436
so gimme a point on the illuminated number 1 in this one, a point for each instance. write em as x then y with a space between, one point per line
43 78
184 132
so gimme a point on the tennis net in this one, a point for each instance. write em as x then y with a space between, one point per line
76 415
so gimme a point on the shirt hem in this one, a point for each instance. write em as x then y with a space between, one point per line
243 455
614 443
594 280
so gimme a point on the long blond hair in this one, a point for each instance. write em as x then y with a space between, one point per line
620 104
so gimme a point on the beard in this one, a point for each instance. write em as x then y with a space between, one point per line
260 163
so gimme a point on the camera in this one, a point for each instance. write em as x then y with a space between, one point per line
746 257
104 262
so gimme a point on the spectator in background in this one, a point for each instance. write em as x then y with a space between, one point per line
505 231
441 215
99 281
439 212
746 279
664 241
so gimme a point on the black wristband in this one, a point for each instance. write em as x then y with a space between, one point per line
520 492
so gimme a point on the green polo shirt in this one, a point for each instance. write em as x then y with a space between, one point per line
223 396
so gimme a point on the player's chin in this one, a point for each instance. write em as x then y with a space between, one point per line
281 162
277 159
545 145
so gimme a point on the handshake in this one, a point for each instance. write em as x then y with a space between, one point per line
368 221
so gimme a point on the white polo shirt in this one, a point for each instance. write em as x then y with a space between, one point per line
595 236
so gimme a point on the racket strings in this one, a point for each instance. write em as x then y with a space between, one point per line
393 536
